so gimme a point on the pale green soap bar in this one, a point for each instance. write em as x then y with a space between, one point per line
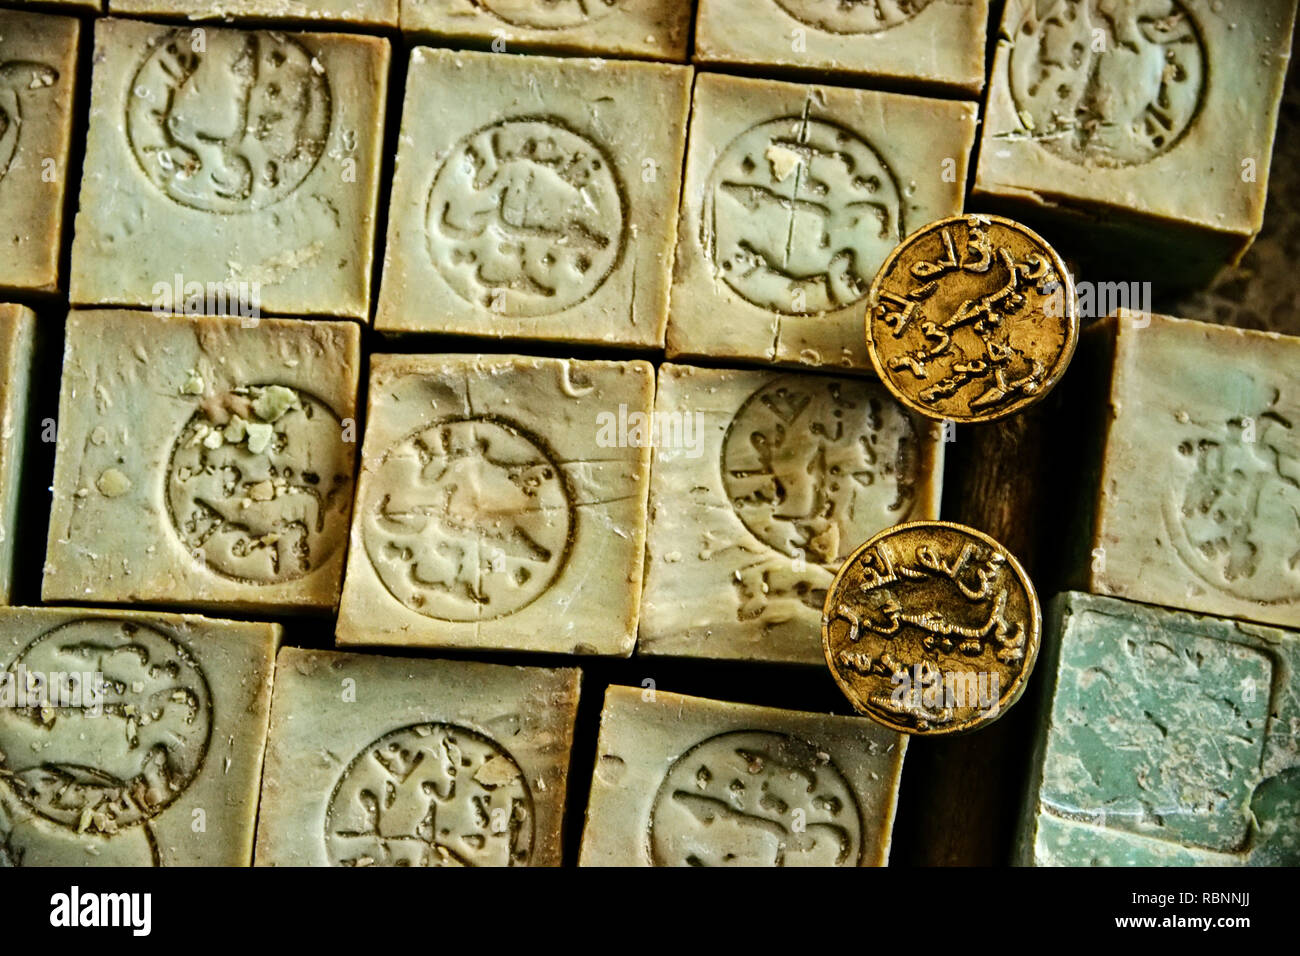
1167 739
685 781
351 12
17 341
383 761
146 748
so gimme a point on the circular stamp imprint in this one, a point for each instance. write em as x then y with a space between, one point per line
235 126
853 16
18 79
548 14
525 218
431 795
468 520
755 798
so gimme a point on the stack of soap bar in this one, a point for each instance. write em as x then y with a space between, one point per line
245 164
350 12
131 739
38 78
763 483
17 341
531 200
1191 491
655 29
1100 115
684 781
203 462
793 197
1167 739
379 761
930 43
501 504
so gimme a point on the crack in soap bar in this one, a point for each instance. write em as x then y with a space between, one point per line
203 462
685 781
794 195
1167 739
17 342
762 484
381 761
144 747
501 505
349 12
249 166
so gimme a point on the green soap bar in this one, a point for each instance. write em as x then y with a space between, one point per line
793 197
203 462
684 781
500 505
244 162
531 202
1166 739
763 483
93 5
381 761
17 342
653 29
131 739
926 43
351 12
38 79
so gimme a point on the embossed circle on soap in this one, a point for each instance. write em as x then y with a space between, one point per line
259 483
111 764
853 16
18 80
468 520
548 14
525 218
431 795
231 128
798 214
813 466
731 800
1108 85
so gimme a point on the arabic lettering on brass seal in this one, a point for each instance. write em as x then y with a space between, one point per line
931 628
971 319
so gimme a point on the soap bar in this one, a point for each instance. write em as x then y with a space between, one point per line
1100 115
203 462
1166 739
1195 496
38 77
684 781
794 196
532 200
131 739
763 483
654 29
501 505
371 13
245 164
382 761
924 43
17 341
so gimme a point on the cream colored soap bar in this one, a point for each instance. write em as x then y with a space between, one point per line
533 200
381 761
38 78
931 43
131 739
17 341
203 462
655 29
246 163
500 505
351 12
684 781
794 196
763 483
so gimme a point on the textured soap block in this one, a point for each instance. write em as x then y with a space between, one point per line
501 504
381 761
794 196
17 340
38 77
351 12
252 162
684 781
202 462
533 200
655 29
930 43
763 483
1167 739
131 739
1100 115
